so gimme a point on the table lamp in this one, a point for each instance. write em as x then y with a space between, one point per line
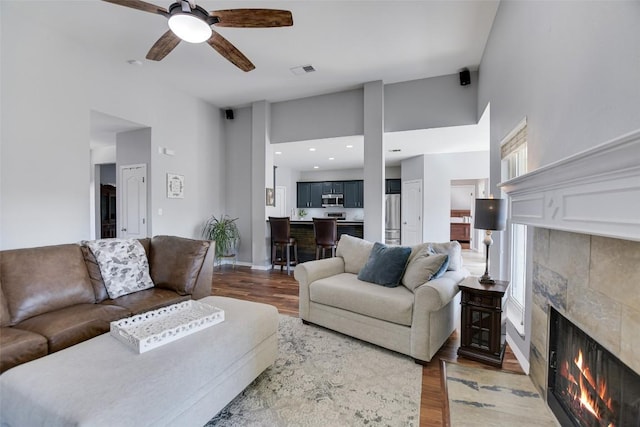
490 215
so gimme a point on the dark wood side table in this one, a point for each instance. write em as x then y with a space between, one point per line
483 334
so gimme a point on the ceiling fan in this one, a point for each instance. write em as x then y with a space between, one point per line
192 23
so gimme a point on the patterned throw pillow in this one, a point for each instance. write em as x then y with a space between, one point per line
123 265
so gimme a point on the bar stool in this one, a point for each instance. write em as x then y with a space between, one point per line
281 240
326 235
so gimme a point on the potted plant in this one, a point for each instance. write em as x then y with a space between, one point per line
224 232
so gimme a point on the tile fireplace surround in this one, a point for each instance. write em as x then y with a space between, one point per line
585 211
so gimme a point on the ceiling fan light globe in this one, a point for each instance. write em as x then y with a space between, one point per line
189 28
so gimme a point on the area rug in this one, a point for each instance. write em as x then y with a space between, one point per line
485 397
323 378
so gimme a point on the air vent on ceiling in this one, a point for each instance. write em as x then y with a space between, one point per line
303 69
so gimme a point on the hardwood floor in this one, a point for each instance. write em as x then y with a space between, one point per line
280 290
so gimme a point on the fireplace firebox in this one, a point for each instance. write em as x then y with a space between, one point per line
587 385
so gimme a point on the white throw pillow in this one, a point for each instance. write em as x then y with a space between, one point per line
453 249
424 267
354 251
123 265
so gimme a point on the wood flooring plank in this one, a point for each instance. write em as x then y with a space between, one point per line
280 290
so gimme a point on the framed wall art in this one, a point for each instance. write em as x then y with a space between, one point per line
270 198
175 186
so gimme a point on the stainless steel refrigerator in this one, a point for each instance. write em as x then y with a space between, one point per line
392 219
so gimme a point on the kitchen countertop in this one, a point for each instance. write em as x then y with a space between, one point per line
340 222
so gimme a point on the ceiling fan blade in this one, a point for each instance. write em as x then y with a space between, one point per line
229 51
163 46
253 18
140 5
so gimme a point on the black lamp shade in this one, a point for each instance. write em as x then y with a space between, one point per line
491 214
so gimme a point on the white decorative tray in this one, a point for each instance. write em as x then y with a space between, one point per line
146 331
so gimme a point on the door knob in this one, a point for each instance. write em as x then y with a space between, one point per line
123 229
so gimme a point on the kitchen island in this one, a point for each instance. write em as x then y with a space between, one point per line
302 231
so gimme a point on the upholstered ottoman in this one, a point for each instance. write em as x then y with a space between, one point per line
102 382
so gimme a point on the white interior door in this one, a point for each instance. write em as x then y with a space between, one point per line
411 229
133 205
281 201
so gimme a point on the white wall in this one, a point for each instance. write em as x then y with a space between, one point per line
571 68
49 86
439 171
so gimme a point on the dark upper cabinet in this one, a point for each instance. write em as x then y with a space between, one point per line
309 195
333 187
393 186
353 194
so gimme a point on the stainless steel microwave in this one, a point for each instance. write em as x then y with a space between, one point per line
332 200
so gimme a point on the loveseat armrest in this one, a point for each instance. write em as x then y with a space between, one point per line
434 313
436 293
308 272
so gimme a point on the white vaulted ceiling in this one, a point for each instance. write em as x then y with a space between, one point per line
348 43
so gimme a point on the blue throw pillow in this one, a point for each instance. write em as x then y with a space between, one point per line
385 265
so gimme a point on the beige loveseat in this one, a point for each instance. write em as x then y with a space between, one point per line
415 322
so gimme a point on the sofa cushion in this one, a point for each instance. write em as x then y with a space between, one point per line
71 325
354 251
19 346
94 274
385 265
176 262
424 267
345 291
123 265
149 299
5 317
453 249
43 279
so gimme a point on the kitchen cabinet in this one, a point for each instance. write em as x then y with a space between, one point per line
354 194
461 232
309 195
393 186
333 187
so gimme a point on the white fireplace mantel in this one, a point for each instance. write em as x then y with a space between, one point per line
596 191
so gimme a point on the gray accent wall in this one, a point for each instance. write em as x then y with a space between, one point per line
571 69
323 116
430 103
238 180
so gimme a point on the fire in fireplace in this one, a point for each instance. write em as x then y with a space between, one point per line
588 386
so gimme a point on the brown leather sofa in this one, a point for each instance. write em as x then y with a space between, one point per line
53 297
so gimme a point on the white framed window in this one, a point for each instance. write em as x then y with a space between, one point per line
513 150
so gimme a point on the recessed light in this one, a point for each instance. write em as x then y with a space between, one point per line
331 158
134 62
349 146
278 152
312 149
316 167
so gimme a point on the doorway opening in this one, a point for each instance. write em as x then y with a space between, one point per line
113 142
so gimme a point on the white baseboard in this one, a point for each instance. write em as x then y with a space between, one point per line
524 362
